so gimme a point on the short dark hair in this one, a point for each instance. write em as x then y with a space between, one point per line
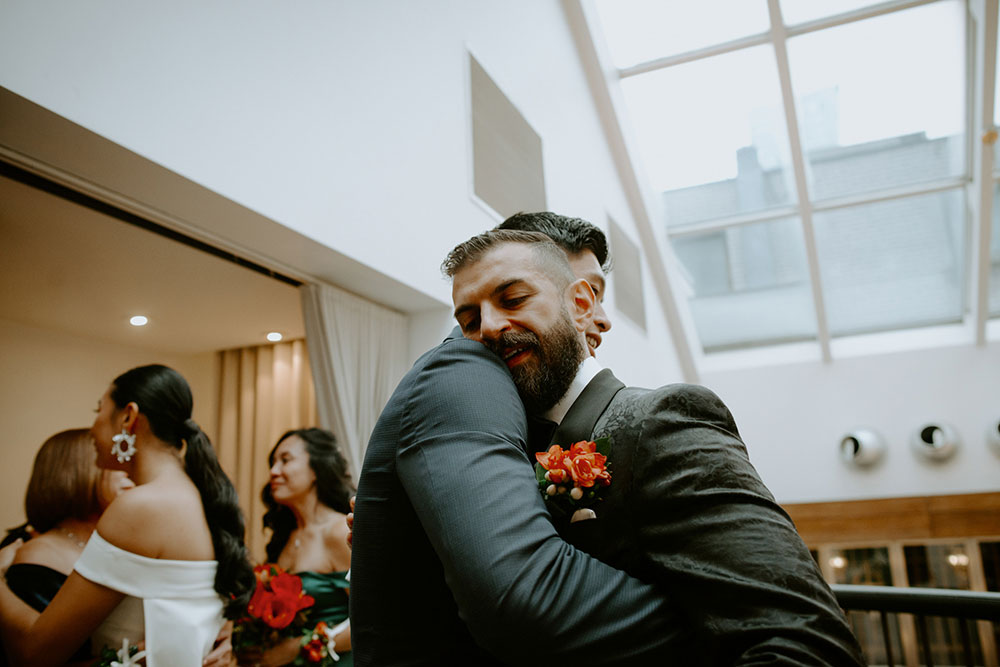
63 481
574 235
550 257
333 485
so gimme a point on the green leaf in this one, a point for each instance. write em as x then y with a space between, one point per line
603 446
540 474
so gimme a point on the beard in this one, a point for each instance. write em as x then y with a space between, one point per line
543 378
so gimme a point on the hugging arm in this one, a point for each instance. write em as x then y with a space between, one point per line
52 637
712 534
526 596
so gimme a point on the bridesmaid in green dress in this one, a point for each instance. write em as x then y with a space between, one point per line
308 500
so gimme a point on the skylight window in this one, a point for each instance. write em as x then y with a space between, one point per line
751 284
814 176
875 114
642 30
713 136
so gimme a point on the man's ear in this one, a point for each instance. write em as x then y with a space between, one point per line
582 304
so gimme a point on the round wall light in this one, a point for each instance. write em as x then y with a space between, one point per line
935 441
862 447
993 437
138 320
274 337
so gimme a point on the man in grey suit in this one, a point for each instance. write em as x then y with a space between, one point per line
685 509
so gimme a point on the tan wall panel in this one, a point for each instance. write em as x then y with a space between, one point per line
968 515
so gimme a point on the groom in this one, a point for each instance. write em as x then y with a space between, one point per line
456 560
685 510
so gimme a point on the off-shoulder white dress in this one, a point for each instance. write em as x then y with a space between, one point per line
171 604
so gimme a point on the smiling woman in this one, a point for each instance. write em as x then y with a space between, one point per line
307 501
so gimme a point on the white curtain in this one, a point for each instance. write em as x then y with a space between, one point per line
263 392
358 354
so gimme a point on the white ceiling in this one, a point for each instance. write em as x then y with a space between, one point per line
64 266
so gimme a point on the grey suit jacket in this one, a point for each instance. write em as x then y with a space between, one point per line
687 511
453 547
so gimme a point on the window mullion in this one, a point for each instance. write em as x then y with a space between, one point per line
984 135
779 36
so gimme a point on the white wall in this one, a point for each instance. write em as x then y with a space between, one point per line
347 122
792 419
51 382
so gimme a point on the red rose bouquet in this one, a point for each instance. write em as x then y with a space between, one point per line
276 610
571 481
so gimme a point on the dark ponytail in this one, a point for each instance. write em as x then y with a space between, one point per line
164 397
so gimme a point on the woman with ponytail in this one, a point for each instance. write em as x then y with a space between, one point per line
166 564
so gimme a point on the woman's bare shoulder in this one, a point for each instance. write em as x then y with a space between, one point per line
335 540
48 550
153 520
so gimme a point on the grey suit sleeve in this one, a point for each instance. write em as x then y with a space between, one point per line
526 595
711 533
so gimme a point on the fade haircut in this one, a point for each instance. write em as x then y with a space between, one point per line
574 235
549 257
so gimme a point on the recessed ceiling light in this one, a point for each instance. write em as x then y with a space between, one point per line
138 320
274 336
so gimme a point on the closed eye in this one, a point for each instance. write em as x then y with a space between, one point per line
514 302
470 325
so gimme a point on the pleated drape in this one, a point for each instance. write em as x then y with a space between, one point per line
263 392
357 350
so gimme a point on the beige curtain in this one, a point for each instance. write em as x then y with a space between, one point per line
263 392
358 354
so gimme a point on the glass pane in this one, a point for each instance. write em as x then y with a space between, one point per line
994 298
881 102
750 283
800 11
893 264
640 30
944 566
869 567
712 135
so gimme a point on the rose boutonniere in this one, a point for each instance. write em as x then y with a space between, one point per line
572 480
276 610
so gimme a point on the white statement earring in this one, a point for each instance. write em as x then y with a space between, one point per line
126 452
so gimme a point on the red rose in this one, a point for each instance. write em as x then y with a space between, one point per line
551 459
582 447
584 470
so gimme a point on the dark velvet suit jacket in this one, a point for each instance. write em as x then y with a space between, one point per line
687 511
454 549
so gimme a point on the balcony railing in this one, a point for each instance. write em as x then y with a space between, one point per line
965 606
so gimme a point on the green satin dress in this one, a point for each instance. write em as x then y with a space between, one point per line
331 605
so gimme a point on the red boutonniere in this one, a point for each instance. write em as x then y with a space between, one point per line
571 481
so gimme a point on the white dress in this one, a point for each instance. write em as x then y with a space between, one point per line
171 604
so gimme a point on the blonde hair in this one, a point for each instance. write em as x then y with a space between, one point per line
63 480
